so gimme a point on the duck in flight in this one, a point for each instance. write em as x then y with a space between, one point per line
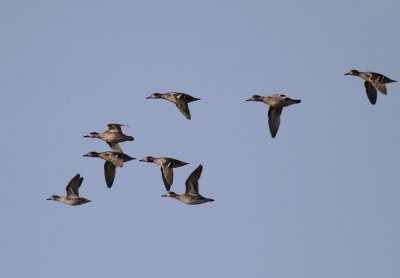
373 82
191 195
181 101
167 164
72 197
113 160
276 104
112 136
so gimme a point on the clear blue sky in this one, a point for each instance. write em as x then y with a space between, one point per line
319 200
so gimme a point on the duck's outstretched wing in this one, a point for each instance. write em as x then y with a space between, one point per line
192 183
73 186
168 176
164 173
114 126
371 92
274 119
115 147
183 107
109 173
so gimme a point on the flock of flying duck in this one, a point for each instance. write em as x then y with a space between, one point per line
113 136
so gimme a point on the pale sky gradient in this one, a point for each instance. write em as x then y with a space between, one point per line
319 200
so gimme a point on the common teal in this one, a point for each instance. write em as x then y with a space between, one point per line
167 164
276 103
191 196
373 82
112 136
181 101
72 197
113 160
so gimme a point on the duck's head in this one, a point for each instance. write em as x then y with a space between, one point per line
92 135
254 98
147 159
53 198
353 72
170 194
155 95
92 154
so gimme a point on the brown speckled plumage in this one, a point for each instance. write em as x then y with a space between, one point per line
276 103
373 82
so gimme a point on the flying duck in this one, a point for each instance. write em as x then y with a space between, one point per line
113 160
112 136
167 164
191 196
276 103
181 101
373 82
72 197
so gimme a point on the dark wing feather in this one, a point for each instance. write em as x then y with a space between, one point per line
274 119
109 173
166 183
115 127
174 163
73 186
192 183
371 92
183 107
168 175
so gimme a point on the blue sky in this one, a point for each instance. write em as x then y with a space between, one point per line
319 200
